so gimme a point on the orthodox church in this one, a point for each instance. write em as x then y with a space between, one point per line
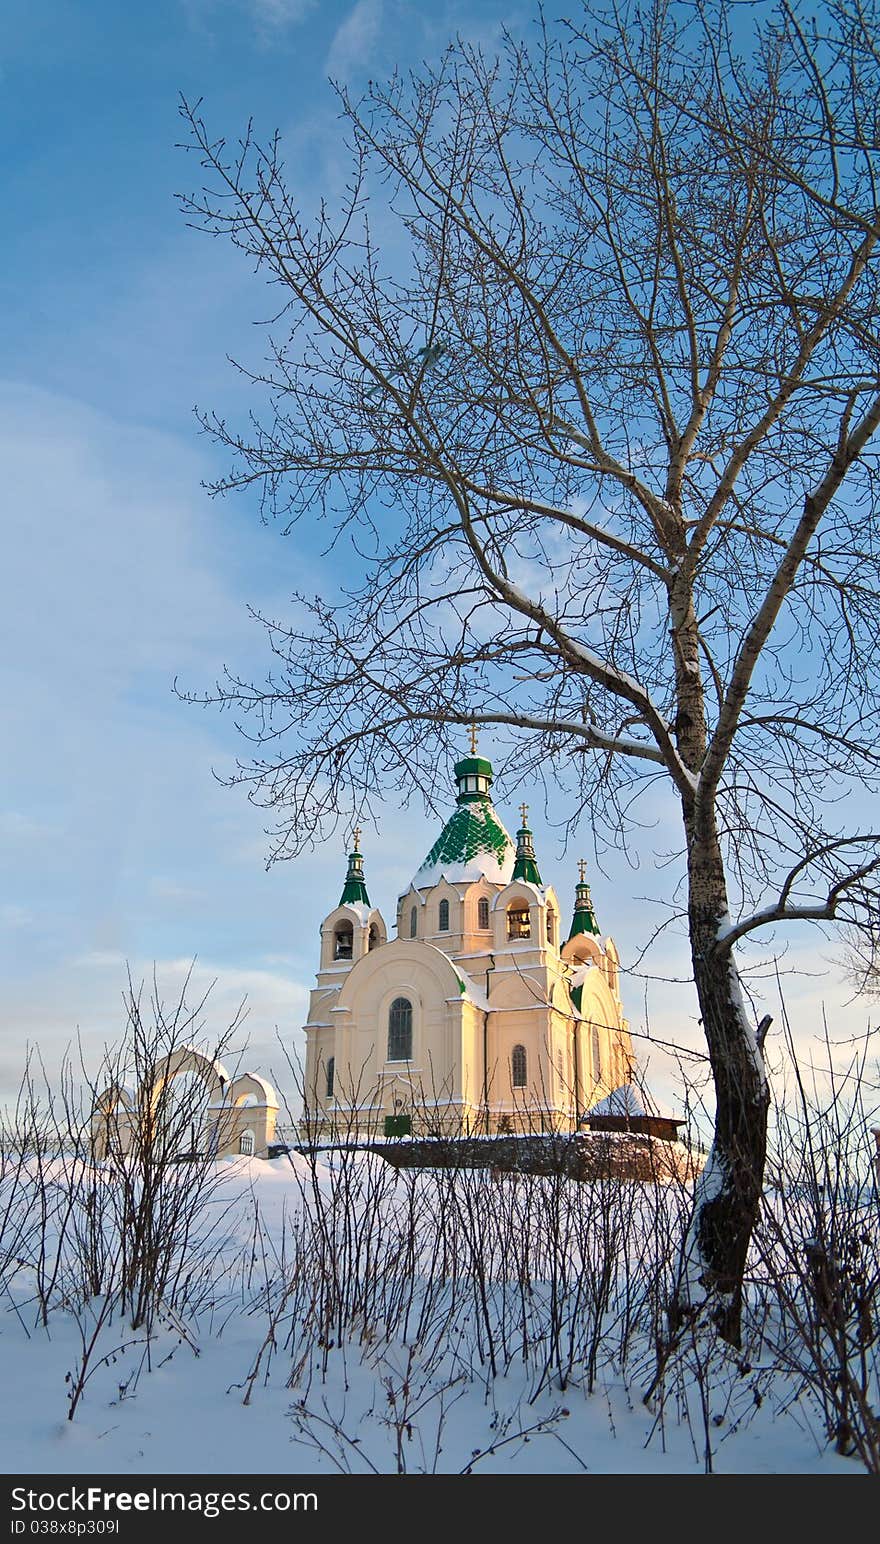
479 1016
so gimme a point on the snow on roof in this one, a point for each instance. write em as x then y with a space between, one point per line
362 912
472 992
270 1098
484 866
622 1101
264 1084
472 845
581 972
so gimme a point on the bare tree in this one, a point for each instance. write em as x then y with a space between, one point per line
597 434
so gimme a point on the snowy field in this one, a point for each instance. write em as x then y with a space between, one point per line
343 1317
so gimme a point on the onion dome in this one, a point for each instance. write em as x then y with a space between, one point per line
473 843
355 890
526 865
584 919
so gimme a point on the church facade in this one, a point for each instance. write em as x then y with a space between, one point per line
485 1013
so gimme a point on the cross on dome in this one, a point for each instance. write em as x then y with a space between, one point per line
582 869
357 838
473 734
524 811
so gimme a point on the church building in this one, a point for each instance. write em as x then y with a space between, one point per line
488 1011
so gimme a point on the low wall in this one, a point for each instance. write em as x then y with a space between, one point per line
587 1156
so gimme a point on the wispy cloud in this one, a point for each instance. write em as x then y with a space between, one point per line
270 16
13 917
355 40
278 14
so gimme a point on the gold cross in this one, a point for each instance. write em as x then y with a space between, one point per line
582 869
357 838
524 811
473 735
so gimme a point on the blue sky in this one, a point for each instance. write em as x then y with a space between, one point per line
117 843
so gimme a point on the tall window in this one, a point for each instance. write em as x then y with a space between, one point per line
331 1073
444 917
374 936
519 923
518 1066
400 1030
413 922
246 1144
483 912
551 928
597 1053
343 942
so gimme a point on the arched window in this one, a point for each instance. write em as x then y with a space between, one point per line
400 1030
374 936
331 1072
246 1144
444 917
343 941
597 1053
518 1066
414 922
519 922
551 927
483 912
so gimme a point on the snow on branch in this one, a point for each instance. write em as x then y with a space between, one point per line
785 909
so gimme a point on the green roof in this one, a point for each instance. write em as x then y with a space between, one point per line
473 842
354 890
584 919
526 865
476 766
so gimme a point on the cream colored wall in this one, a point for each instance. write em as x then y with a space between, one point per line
366 1083
530 1005
360 925
247 1103
601 1007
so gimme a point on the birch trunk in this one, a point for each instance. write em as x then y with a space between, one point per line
728 1192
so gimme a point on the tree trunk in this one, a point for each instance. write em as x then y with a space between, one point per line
728 1192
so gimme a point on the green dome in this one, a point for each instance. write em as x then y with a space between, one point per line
526 865
584 919
354 891
472 845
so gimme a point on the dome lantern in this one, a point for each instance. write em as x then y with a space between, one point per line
526 865
584 919
355 889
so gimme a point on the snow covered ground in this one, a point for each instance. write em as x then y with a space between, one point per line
256 1372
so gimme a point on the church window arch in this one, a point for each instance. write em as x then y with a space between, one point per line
400 1034
597 1053
483 913
443 922
343 941
551 925
331 1075
519 921
413 922
518 1066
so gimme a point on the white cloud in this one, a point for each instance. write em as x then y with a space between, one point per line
99 959
12 916
271 16
278 14
355 40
